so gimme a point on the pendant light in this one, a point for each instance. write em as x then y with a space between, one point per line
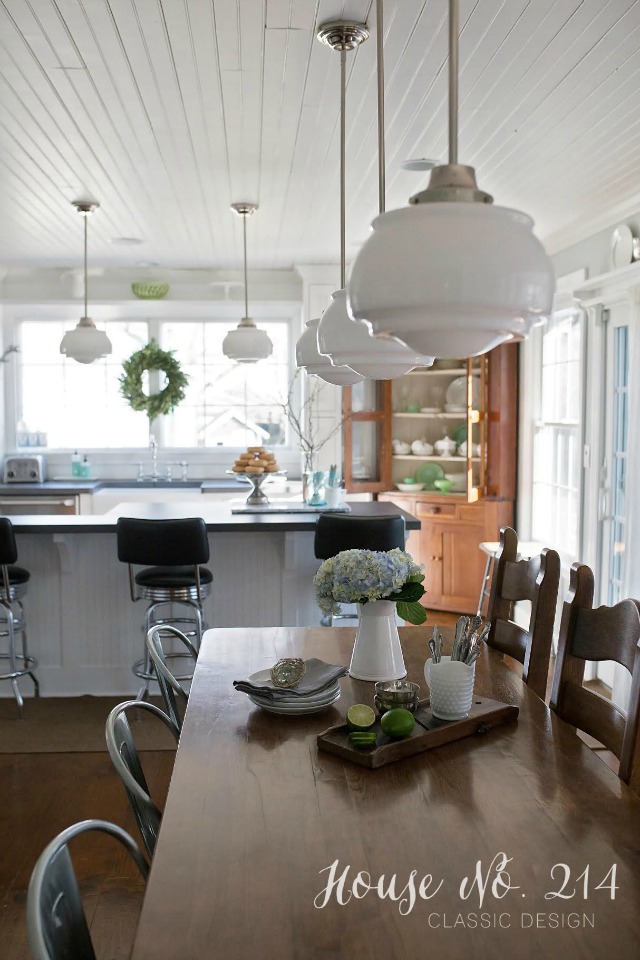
308 355
85 343
246 344
452 275
343 340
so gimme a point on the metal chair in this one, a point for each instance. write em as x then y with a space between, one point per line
536 580
170 687
13 587
606 633
124 755
336 532
174 549
56 923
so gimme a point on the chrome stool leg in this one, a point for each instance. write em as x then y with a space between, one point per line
484 590
26 659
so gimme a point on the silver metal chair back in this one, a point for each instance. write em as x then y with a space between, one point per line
55 918
171 689
124 755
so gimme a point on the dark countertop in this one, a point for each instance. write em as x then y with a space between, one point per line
69 488
217 516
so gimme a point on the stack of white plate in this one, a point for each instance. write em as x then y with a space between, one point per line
291 704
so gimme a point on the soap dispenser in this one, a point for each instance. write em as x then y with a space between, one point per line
85 468
76 464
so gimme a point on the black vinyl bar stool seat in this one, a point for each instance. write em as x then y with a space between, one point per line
13 587
171 553
336 532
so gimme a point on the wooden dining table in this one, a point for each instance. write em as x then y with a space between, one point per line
513 844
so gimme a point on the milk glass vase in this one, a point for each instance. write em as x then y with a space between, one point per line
377 654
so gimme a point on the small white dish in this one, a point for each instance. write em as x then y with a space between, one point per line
294 710
410 487
430 410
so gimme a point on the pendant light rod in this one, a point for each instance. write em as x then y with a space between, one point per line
85 208
380 74
343 163
453 79
245 210
342 35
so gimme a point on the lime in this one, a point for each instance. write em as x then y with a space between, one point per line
360 717
397 722
361 739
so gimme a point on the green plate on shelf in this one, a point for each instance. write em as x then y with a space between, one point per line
428 472
459 434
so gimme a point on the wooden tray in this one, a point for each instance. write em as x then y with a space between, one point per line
484 715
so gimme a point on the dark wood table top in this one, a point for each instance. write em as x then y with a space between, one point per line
256 816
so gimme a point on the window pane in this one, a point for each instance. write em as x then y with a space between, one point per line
226 403
556 461
76 404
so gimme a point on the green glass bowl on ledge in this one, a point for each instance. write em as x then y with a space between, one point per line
150 291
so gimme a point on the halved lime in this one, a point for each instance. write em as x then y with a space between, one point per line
360 739
397 722
360 717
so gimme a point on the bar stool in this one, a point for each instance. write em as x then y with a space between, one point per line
336 532
13 587
171 552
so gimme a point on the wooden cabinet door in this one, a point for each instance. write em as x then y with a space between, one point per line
459 564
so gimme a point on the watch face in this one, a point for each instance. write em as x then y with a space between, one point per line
288 672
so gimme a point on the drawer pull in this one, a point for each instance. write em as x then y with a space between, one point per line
434 510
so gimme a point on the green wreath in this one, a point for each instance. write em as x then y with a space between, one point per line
152 357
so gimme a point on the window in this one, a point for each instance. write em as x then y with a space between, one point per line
79 406
557 435
76 404
226 404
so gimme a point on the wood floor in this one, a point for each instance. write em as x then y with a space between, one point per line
42 793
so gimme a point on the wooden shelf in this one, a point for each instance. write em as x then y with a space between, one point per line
454 372
437 416
413 456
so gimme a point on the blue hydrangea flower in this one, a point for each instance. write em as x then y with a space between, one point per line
358 576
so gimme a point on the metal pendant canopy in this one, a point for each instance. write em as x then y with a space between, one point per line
451 275
85 343
247 343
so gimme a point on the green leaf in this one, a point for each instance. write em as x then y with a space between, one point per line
412 612
409 592
416 578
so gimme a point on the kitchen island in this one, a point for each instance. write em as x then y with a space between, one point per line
83 627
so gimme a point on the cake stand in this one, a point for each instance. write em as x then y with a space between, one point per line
257 497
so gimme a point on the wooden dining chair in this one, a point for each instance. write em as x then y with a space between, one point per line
56 923
173 693
606 633
125 759
536 580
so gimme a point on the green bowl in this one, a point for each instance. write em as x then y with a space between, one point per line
150 291
443 485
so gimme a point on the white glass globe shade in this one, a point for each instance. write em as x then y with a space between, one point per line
316 365
85 343
349 342
451 279
247 344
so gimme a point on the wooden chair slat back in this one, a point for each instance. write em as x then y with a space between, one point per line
536 580
606 633
511 638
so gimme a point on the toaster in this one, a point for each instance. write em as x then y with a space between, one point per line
19 469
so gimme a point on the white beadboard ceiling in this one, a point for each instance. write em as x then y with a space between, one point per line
167 111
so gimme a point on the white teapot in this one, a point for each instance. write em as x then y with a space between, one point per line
445 447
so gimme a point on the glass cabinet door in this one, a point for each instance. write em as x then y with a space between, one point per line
366 436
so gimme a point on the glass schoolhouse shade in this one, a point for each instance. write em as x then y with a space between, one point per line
316 365
85 343
348 342
247 343
451 279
